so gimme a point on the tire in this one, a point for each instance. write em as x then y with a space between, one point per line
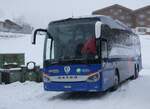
116 82
136 72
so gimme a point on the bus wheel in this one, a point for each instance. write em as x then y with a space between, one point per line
136 71
116 82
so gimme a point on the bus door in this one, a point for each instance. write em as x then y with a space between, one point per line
107 66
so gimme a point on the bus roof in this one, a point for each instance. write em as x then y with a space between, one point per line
113 24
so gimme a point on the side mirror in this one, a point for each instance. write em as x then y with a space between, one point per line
35 34
98 29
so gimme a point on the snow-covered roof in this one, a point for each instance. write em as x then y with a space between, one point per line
2 19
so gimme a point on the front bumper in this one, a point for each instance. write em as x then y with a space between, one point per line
73 86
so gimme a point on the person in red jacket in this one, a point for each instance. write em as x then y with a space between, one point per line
89 47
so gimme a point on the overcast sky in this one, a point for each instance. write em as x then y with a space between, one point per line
40 12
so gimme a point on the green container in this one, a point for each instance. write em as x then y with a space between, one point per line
32 75
0 77
12 75
39 74
23 70
15 76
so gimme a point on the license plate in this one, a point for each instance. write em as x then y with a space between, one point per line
67 87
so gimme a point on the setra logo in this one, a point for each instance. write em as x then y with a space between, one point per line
67 69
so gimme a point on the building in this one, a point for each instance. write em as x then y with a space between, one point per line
10 26
138 19
117 12
142 20
1 25
17 48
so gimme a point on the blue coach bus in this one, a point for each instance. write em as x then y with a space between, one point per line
90 54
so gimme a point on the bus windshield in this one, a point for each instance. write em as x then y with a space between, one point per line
73 40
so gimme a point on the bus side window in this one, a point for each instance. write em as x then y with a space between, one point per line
104 49
108 34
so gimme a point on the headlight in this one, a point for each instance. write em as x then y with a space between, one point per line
46 78
93 77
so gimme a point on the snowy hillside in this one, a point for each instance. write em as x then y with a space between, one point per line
131 95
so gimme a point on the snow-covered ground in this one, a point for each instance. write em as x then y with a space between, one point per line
131 95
